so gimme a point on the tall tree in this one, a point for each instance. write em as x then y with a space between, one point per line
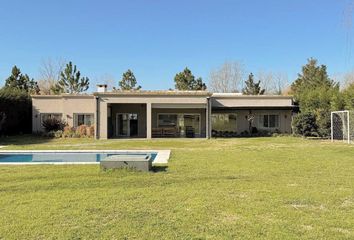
252 88
71 81
312 76
21 81
128 81
185 81
227 78
316 95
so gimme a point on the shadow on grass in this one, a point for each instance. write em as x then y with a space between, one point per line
26 139
156 169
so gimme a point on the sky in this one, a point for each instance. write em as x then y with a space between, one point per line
158 38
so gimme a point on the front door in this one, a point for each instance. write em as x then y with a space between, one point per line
127 124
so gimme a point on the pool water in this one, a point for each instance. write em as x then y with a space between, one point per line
58 157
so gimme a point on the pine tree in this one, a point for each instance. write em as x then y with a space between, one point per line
312 77
71 81
252 88
317 95
128 81
186 81
21 81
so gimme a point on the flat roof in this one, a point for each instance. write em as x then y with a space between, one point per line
237 95
166 93
153 93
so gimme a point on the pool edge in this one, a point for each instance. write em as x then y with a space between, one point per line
162 156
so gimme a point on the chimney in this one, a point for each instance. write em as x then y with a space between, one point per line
101 88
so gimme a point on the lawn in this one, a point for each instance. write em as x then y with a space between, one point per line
259 188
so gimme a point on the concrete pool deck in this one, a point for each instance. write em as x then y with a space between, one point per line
162 156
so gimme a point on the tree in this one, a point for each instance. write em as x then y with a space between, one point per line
185 81
49 75
252 88
316 95
274 83
2 120
227 78
312 77
348 97
15 111
21 81
71 81
128 81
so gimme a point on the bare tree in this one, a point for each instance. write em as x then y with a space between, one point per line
345 79
273 83
49 74
228 78
107 79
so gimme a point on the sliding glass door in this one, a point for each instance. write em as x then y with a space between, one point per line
186 125
127 124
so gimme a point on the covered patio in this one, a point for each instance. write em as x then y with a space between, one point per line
153 115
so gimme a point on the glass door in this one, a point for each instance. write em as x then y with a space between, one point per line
127 124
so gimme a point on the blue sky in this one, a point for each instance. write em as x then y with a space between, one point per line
158 38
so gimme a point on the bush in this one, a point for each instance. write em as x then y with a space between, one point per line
16 104
81 131
304 124
323 121
90 131
58 134
68 132
53 124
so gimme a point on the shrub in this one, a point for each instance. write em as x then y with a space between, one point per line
81 131
323 121
58 134
305 124
68 132
90 131
53 124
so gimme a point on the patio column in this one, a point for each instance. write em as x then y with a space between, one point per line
148 120
102 116
208 119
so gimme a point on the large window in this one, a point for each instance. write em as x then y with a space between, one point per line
192 121
269 121
180 121
45 116
83 119
167 120
224 122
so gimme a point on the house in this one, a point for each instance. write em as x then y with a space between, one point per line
152 114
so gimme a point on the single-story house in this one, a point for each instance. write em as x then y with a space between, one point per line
152 114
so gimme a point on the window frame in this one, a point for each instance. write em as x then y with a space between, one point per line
262 118
182 114
76 119
41 115
225 113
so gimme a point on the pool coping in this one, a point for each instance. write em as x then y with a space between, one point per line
162 156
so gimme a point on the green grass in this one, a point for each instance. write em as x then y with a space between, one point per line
260 188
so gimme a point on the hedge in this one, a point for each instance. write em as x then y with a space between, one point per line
17 106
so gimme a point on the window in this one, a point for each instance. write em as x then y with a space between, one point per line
167 120
83 119
45 116
192 121
180 121
269 121
224 122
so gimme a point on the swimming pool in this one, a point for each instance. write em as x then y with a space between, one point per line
75 157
